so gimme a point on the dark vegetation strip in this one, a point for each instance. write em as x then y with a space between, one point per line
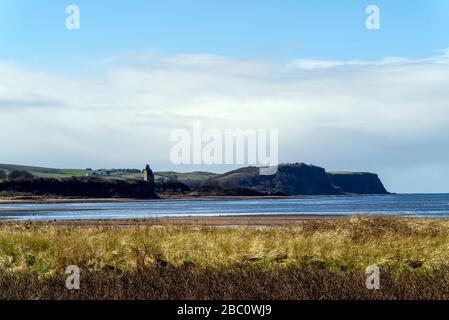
192 283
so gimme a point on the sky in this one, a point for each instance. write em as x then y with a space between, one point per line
343 97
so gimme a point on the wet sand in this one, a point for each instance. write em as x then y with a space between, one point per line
248 220
45 200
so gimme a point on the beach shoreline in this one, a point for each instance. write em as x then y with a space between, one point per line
45 211
208 221
45 200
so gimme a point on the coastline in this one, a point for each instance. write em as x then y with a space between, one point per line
45 200
213 221
25 212
50 200
206 221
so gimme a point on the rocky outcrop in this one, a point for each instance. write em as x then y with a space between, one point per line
290 179
299 179
302 179
357 182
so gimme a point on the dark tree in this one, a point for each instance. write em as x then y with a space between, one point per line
2 175
20 175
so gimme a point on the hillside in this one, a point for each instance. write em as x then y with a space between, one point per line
290 179
45 172
115 174
185 177
301 179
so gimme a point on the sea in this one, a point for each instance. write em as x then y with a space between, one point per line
406 205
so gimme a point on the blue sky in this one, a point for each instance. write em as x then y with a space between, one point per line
34 32
342 97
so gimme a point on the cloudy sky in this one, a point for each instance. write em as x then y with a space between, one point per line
343 97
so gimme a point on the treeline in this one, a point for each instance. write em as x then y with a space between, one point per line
16 183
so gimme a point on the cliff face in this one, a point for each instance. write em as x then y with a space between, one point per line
299 179
302 179
291 179
357 182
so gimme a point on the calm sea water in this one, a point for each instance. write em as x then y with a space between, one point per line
418 205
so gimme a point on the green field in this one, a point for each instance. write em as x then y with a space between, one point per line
45 172
68 173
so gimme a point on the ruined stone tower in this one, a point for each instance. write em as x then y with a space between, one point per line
148 175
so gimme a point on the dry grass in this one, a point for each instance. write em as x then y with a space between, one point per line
193 283
323 259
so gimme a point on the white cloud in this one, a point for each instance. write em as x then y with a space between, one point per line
308 64
382 115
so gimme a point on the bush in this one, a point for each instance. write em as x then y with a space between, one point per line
2 175
20 175
171 186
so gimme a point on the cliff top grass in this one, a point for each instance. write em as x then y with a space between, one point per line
337 245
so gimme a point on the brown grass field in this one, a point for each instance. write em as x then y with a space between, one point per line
314 259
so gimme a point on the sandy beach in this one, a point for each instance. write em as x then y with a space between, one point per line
222 221
200 213
242 220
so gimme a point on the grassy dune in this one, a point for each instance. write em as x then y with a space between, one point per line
324 259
